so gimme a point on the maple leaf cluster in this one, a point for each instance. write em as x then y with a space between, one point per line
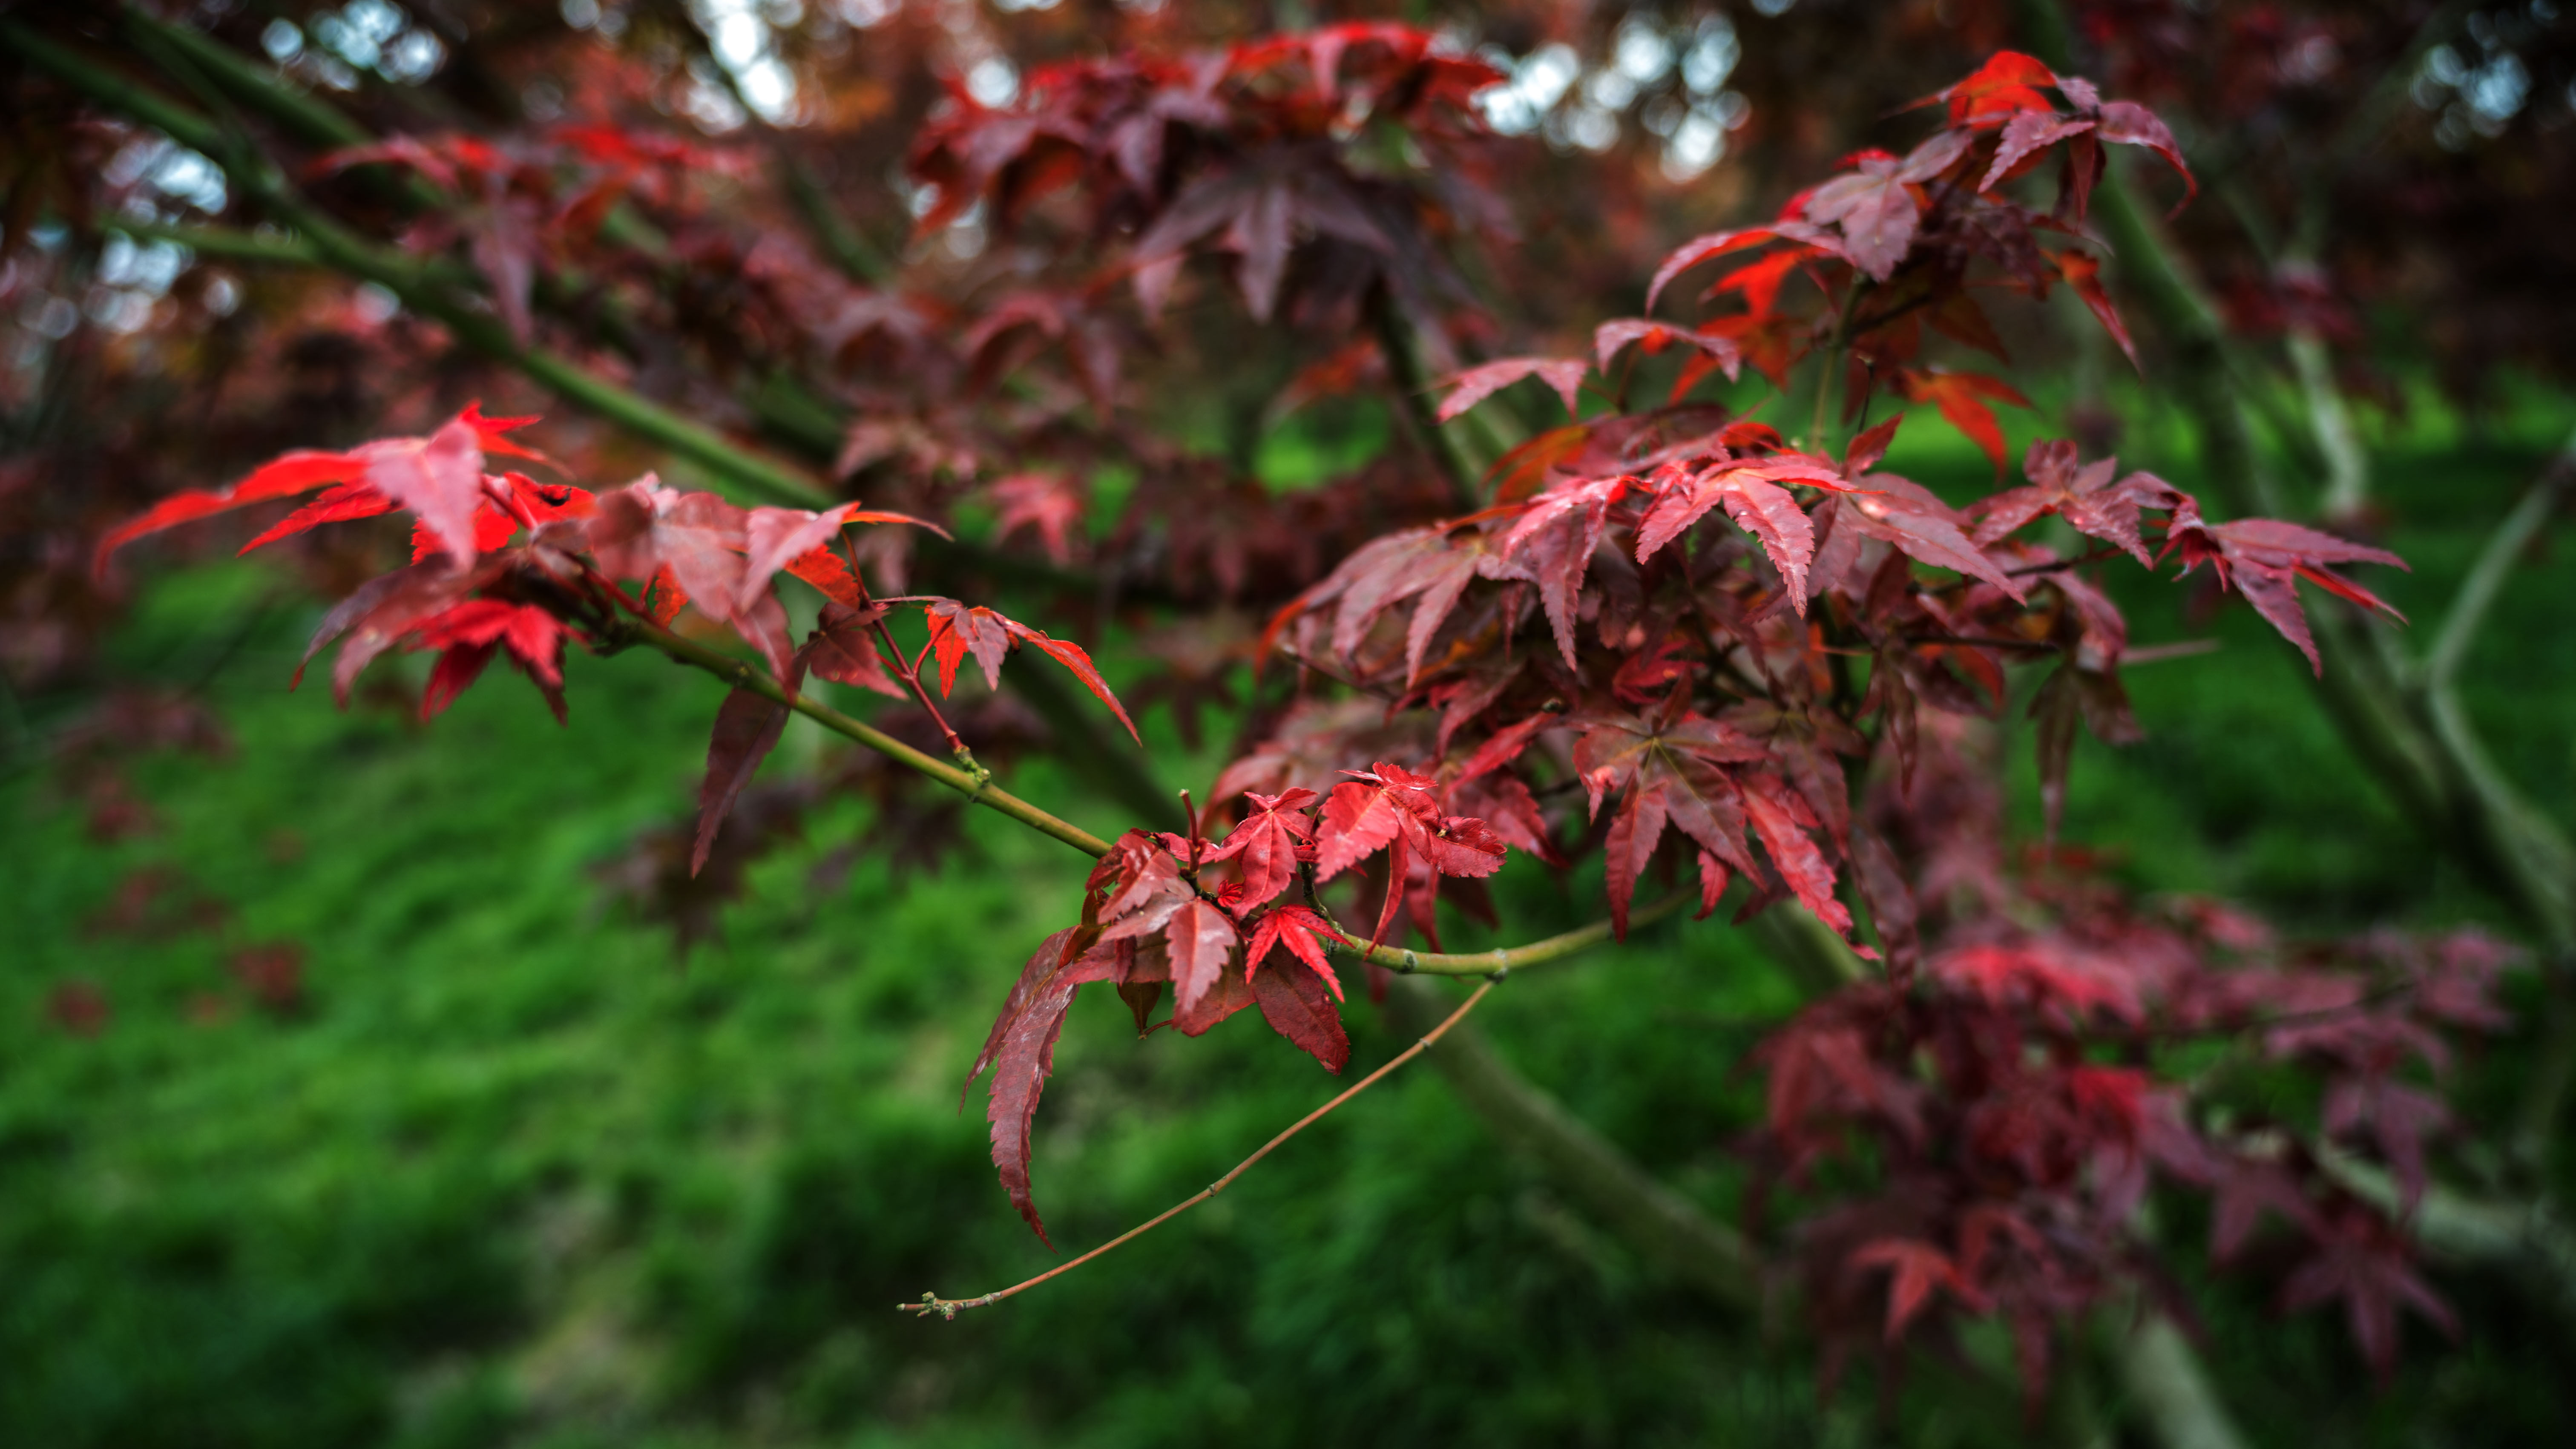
1237 151
1206 918
517 205
1978 1133
502 564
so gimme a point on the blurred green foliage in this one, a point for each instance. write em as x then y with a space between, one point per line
514 1172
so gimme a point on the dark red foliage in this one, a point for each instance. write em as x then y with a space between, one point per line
2016 1164
273 975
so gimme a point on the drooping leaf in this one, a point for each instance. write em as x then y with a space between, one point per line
1670 769
747 729
468 633
1915 1269
1633 836
1296 998
2084 274
843 649
2126 123
1808 874
2263 559
957 630
2369 1266
1021 1052
1553 543
1071 656
1962 397
1304 933
1891 905
2055 710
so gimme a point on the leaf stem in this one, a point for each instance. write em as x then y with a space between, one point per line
912 674
949 1308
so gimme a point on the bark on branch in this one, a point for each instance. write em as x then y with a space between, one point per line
1657 1222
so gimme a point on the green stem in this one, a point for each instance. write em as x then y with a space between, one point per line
314 121
228 243
852 252
1515 958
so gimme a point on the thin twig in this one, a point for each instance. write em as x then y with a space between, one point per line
949 1308
912 674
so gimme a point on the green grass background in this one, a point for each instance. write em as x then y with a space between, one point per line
518 1175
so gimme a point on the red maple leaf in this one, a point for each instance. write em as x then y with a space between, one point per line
2362 1260
2263 559
1393 809
439 478
468 634
1021 1052
957 630
1266 845
1915 1269
1670 772
1961 397
1565 374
